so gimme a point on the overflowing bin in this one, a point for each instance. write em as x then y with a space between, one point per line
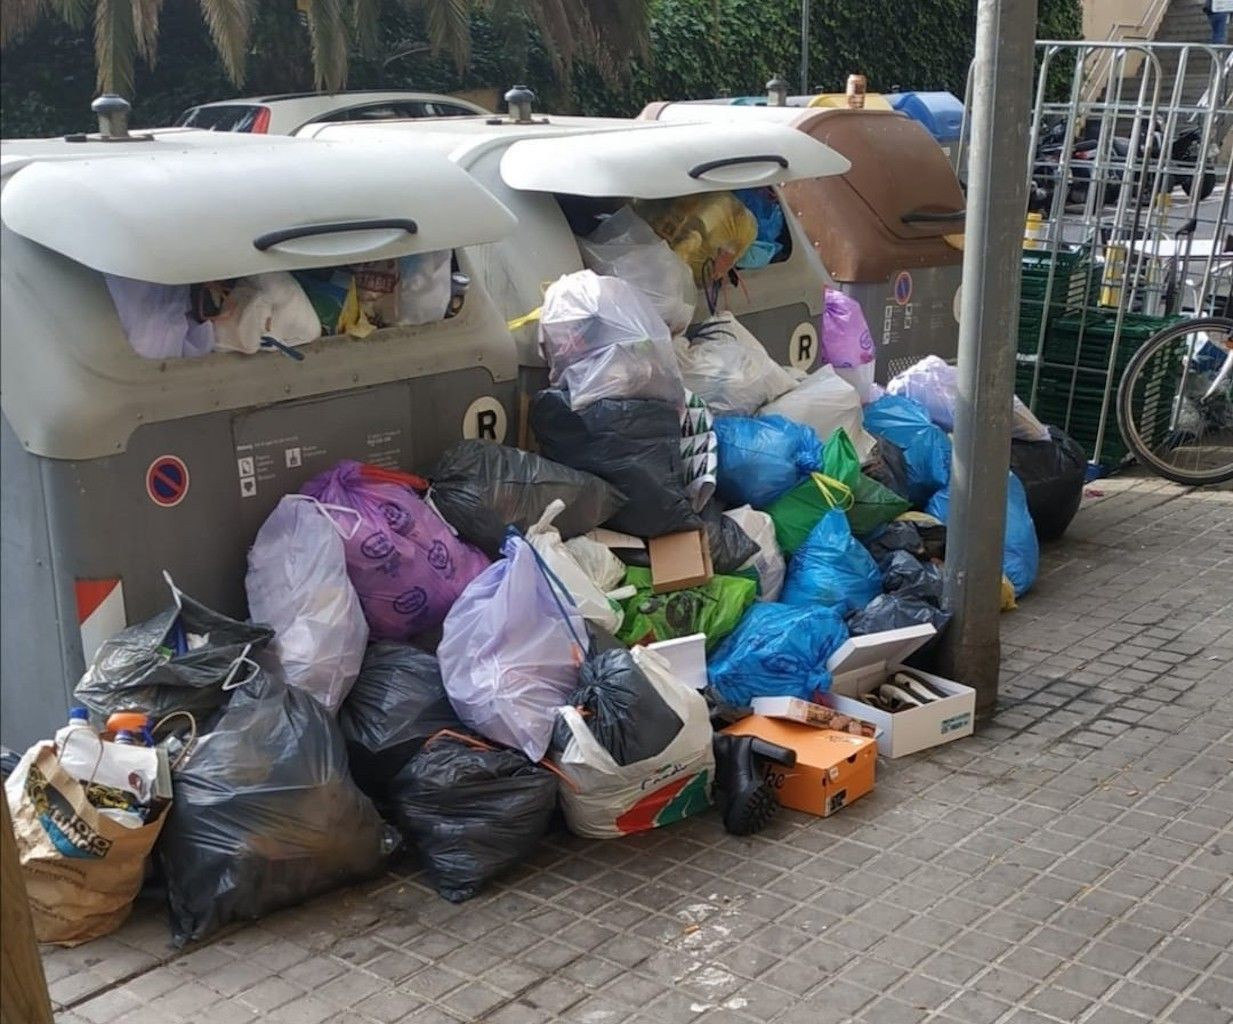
889 231
117 466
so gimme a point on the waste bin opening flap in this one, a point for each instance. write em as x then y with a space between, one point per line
186 217
655 161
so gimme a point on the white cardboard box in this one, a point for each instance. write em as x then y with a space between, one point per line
687 657
865 662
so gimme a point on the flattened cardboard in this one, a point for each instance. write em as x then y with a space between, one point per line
679 560
686 655
832 768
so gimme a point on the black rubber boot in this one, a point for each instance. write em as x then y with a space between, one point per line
745 799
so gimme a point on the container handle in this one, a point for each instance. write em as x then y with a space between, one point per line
933 216
272 238
699 170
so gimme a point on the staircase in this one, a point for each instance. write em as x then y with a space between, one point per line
1185 22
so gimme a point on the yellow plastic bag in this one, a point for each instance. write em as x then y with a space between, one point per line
709 231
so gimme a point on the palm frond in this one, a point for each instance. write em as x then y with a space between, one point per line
449 28
366 26
230 23
17 17
327 32
115 46
145 28
75 13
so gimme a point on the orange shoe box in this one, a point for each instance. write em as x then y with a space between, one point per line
832 768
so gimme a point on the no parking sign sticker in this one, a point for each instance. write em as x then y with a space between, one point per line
167 481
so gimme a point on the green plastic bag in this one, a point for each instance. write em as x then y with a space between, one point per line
873 504
714 608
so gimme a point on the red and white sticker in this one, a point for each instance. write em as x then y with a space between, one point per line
100 612
167 481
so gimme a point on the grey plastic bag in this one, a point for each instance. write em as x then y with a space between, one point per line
396 704
471 810
481 487
895 611
907 576
180 660
265 814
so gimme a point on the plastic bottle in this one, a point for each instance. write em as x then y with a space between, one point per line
136 722
78 719
1034 231
125 738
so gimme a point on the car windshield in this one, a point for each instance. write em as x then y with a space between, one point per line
230 117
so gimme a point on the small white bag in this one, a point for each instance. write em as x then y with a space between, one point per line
297 583
825 401
591 601
769 562
605 800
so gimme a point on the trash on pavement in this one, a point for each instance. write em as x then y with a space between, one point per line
730 546
825 402
767 562
592 602
1020 548
686 657
678 561
762 457
905 574
714 608
1052 473
794 709
846 342
832 568
895 611
728 368
925 446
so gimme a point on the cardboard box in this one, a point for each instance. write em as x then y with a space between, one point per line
818 715
832 768
679 560
863 663
686 655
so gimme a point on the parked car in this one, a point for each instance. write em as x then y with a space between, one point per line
282 115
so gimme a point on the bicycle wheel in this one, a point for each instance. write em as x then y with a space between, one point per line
1175 402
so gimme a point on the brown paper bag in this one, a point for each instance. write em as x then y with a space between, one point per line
82 869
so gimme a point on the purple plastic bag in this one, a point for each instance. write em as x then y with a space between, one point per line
847 344
406 565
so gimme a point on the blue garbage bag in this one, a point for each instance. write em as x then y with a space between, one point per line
761 202
761 458
832 568
926 447
778 650
1020 548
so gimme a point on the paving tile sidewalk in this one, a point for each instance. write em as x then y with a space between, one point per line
1071 863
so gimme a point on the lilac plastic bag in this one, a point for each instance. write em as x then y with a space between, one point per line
511 649
406 565
846 342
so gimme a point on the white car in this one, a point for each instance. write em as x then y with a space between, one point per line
283 115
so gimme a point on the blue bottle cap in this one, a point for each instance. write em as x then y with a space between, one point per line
124 736
79 714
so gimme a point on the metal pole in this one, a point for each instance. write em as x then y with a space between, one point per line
989 309
804 47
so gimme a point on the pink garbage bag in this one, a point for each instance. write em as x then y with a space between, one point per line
846 342
406 565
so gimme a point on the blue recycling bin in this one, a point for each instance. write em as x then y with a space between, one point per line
940 112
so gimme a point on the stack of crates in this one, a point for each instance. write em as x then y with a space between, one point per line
1071 270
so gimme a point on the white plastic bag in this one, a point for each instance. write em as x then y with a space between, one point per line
510 651
608 800
602 338
825 401
270 304
424 287
297 582
769 562
626 246
603 568
727 367
156 321
934 384
590 600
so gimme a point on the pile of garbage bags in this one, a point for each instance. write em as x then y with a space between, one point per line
438 664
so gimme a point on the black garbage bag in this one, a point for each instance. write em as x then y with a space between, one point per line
9 760
1053 473
265 814
397 703
731 547
907 576
471 810
888 466
899 535
176 661
624 712
480 487
634 444
895 611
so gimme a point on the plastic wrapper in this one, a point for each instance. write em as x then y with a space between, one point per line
406 564
510 651
767 564
397 703
180 660
895 611
156 319
905 574
761 458
825 402
264 305
607 799
589 599
424 287
481 487
763 204
621 708
728 368
355 299
778 650
602 567
265 814
626 246
831 568
471 810
846 342
1020 548
730 546
297 583
603 338
899 535
714 608
926 448
886 464
634 444
1053 473
934 383
710 231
